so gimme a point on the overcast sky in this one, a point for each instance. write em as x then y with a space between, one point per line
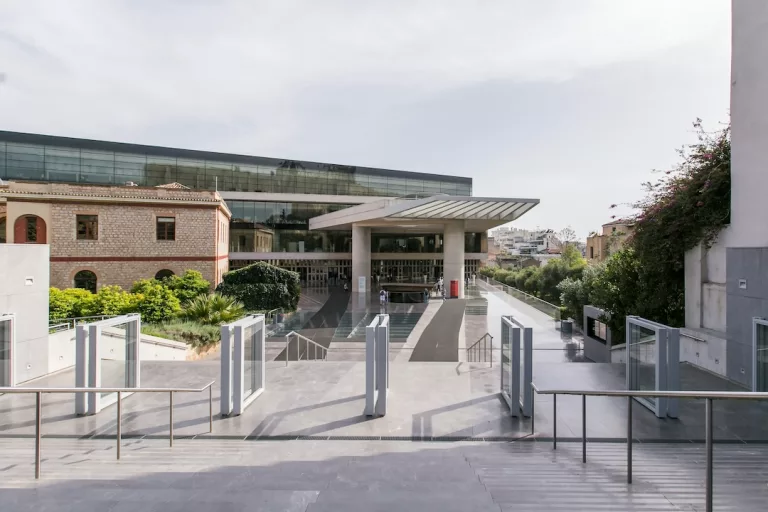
573 102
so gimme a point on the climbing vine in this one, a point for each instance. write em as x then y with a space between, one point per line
690 204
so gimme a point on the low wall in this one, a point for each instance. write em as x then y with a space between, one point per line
595 349
61 349
700 348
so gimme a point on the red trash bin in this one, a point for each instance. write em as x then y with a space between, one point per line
454 289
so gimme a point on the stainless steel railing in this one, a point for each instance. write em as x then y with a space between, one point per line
540 304
709 396
316 348
39 392
64 324
481 351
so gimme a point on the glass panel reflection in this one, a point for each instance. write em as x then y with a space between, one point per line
642 361
88 165
761 357
5 352
506 356
112 349
253 365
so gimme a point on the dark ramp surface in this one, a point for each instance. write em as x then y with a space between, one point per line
321 326
440 340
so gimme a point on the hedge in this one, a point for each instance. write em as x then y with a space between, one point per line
262 286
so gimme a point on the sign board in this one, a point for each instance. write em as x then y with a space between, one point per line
361 284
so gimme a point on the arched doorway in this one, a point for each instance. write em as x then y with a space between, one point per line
3 225
164 274
86 280
29 229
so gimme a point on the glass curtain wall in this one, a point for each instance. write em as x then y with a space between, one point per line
39 162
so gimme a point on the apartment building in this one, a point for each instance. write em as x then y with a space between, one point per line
610 239
115 235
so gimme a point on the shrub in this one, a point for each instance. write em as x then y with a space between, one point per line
194 334
156 303
113 300
262 287
60 304
213 309
615 290
577 293
188 285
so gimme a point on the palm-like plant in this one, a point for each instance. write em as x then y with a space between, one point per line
213 309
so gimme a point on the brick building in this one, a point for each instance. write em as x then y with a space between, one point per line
115 235
600 246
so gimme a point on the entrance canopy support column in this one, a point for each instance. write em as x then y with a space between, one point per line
361 258
453 255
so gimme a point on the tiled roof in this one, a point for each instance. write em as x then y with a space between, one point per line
174 185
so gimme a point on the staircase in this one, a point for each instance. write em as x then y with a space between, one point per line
345 476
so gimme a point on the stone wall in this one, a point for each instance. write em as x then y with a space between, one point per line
127 248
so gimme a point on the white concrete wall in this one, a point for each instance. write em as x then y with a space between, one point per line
705 286
24 282
61 351
749 124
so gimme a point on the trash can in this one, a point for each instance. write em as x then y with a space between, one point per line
455 289
566 328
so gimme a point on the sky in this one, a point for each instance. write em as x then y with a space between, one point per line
573 102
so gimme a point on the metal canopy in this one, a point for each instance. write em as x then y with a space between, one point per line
485 211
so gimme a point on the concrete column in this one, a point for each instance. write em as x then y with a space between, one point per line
453 256
361 257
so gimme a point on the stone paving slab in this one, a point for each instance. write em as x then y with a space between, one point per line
204 475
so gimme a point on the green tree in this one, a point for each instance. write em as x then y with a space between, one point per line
188 285
262 287
615 290
575 293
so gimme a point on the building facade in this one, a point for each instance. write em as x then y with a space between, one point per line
115 235
271 201
611 239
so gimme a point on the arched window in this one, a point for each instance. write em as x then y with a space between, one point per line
2 230
29 229
163 274
86 280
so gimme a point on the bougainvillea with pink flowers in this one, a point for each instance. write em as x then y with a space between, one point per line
689 205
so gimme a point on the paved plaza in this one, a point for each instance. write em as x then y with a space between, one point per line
305 444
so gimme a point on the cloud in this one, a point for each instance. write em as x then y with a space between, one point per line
438 86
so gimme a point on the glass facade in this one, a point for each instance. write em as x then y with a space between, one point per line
289 226
45 158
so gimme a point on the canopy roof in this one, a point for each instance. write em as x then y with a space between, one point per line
404 214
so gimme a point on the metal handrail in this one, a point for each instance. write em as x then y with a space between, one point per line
315 346
72 322
39 408
475 351
555 309
708 396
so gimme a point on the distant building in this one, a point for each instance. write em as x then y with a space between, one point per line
614 234
524 242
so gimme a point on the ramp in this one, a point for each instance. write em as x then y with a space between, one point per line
440 340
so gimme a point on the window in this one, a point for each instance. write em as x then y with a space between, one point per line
163 274
591 252
86 280
87 227
613 229
29 229
597 330
166 228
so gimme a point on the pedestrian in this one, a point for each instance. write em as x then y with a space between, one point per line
382 297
